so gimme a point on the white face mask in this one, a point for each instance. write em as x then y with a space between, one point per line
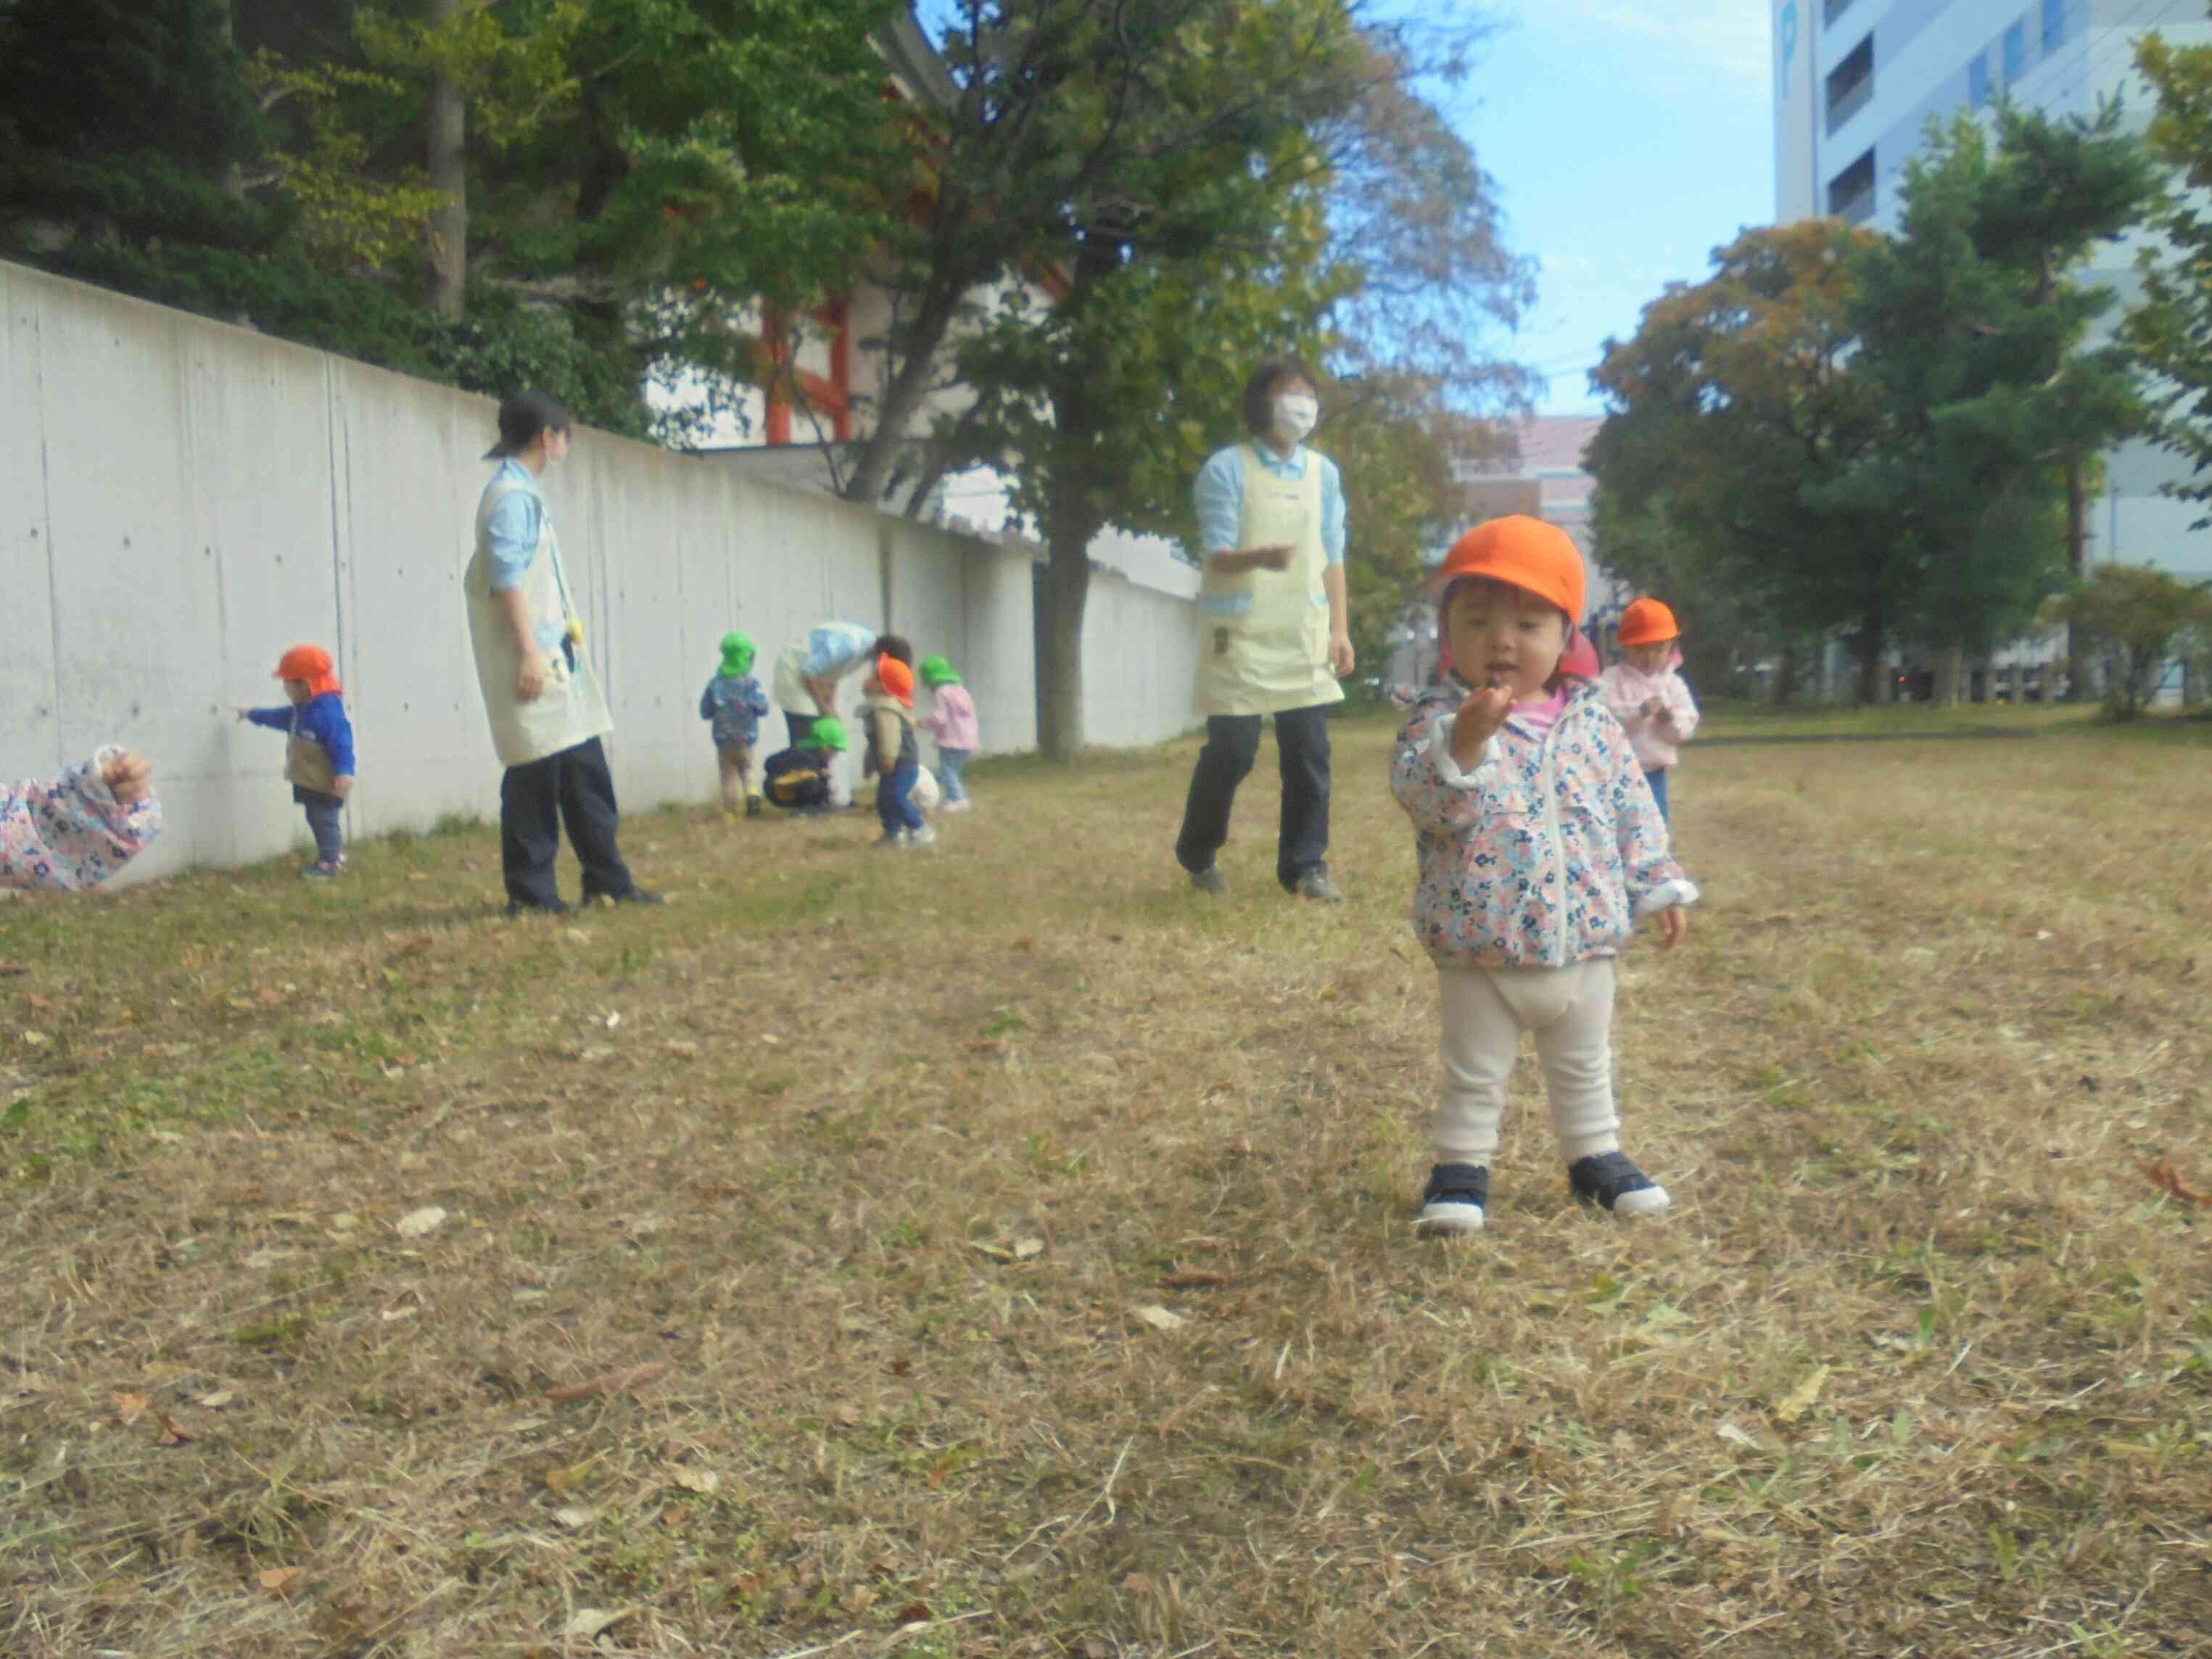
1294 417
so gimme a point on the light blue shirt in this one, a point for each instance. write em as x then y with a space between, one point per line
1219 496
516 524
511 536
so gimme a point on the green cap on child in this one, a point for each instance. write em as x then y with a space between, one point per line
736 654
829 732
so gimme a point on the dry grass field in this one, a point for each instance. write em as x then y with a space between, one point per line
998 1250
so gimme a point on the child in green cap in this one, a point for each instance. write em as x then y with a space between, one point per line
799 777
952 722
734 702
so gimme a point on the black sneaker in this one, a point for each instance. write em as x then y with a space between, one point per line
1610 1179
1211 882
518 908
1456 1198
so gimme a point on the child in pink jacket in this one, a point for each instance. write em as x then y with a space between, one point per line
1540 848
1647 696
952 722
74 831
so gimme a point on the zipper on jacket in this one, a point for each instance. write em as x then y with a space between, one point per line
1559 836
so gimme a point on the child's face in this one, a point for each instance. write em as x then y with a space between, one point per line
1506 636
874 685
297 690
1650 658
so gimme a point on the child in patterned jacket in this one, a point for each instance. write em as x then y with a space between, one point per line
735 703
1541 847
72 832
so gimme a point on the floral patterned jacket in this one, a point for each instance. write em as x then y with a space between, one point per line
70 832
1546 853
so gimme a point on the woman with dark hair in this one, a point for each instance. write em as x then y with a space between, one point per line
1276 625
541 695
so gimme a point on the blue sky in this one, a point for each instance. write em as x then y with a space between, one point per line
1629 138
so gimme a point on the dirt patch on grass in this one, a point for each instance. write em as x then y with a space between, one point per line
999 1251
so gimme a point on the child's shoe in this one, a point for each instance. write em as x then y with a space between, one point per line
752 807
924 836
960 805
1455 1199
324 870
892 838
1610 1179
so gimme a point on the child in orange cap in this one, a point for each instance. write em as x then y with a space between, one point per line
1540 848
320 761
1647 696
894 758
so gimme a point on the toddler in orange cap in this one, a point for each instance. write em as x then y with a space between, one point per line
319 762
1647 696
894 758
1540 848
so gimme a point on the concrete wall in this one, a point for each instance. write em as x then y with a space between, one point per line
180 500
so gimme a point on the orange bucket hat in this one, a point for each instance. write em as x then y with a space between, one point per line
1522 552
897 678
310 663
1648 623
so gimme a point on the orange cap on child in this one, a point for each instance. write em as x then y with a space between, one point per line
1522 552
1648 623
310 663
897 678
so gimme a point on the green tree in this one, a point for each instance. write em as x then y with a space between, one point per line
1972 329
1732 406
2171 330
2145 616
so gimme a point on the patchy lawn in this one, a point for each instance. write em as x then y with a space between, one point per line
998 1250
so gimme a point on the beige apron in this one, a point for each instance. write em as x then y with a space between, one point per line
570 710
1274 657
308 764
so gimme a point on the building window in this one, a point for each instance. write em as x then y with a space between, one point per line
2054 25
1978 82
2016 51
1850 193
1850 84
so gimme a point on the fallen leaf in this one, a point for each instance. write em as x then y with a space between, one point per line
589 1622
1196 1278
569 1479
1159 1318
217 1400
1799 1400
14 968
1734 1435
37 1002
771 1039
173 1433
574 1516
1026 1248
902 1367
278 1581
915 1613
129 1407
2161 1173
419 1223
698 1481
613 1020
611 1383
998 1250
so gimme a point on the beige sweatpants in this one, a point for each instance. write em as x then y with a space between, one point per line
1485 1010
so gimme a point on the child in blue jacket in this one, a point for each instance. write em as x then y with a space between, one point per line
320 762
735 703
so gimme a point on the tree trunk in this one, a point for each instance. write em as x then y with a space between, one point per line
902 399
445 121
2081 644
1951 675
1872 640
1059 673
1785 675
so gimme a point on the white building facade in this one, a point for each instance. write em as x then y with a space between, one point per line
1858 82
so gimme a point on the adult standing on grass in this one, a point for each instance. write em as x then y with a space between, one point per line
547 712
1275 624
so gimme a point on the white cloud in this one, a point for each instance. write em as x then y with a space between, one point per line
1567 264
1732 38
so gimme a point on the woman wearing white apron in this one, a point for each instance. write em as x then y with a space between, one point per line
1274 626
540 695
